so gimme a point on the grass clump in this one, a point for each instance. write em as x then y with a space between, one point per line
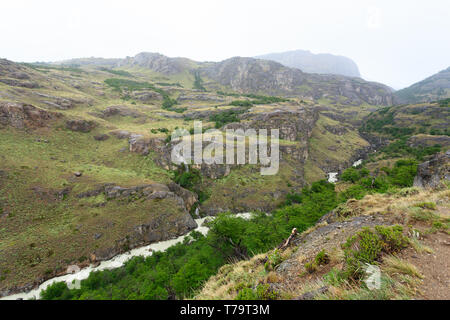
311 267
395 265
426 205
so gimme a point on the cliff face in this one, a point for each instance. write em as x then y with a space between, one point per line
315 63
248 75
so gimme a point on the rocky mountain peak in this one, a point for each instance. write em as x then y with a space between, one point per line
323 63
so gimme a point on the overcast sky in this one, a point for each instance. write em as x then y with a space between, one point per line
394 42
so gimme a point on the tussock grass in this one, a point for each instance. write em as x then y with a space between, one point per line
394 265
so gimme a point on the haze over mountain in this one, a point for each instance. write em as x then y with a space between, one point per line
309 62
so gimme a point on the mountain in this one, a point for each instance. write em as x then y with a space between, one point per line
322 63
436 87
250 75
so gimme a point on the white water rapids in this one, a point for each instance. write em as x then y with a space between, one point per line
332 176
115 262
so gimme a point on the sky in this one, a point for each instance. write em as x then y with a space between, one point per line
393 42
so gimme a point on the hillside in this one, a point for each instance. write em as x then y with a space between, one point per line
249 75
403 233
308 62
86 172
436 87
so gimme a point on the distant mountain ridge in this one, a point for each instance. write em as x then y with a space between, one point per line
323 63
251 75
436 87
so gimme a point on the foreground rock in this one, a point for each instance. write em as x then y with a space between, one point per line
431 173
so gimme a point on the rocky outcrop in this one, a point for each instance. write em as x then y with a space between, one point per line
20 115
431 173
188 197
161 228
81 125
157 62
146 96
184 198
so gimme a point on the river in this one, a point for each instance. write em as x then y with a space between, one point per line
115 262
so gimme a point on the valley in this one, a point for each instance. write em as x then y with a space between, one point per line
86 174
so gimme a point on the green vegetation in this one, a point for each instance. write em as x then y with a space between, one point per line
400 148
256 99
198 82
401 175
227 116
241 103
130 85
122 73
366 247
261 292
46 67
444 103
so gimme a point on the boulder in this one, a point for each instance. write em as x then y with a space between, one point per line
431 173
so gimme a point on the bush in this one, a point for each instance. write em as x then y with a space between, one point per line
273 261
322 258
366 246
392 237
241 103
225 117
351 175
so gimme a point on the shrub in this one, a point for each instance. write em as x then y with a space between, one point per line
322 258
392 237
366 246
351 175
